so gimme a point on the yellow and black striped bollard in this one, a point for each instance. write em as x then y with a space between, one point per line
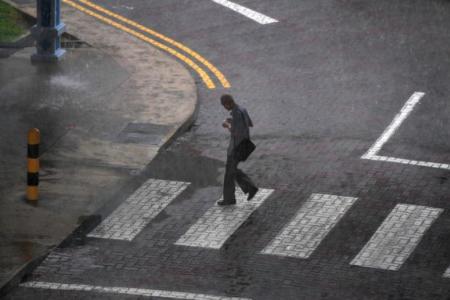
34 138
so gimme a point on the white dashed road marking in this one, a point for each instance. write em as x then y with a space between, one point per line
309 227
256 16
124 291
219 222
391 129
139 209
397 237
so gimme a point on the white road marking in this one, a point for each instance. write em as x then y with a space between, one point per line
390 130
397 237
447 273
138 210
219 222
256 16
309 227
124 291
372 153
410 162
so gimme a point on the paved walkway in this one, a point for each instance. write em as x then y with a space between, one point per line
104 112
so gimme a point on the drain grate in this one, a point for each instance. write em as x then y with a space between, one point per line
69 42
143 133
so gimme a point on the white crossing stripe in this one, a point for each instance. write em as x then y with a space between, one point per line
124 291
139 209
397 237
447 273
309 227
219 222
256 16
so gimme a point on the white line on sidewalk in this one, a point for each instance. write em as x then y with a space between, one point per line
256 16
219 222
310 226
124 291
397 237
138 210
390 130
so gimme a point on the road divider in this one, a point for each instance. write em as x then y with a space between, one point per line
199 70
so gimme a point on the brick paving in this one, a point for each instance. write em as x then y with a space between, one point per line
397 237
309 141
219 223
238 269
124 291
310 225
138 210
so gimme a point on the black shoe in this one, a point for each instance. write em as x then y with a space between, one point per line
252 194
223 202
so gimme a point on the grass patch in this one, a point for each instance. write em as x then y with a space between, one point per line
12 24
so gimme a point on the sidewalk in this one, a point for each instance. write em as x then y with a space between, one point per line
104 112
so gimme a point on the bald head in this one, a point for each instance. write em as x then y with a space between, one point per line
227 101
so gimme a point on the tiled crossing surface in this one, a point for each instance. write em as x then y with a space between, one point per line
397 237
201 269
447 273
313 222
219 223
138 210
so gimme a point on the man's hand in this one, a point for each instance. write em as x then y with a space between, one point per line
226 124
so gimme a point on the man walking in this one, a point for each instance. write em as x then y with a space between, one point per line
238 125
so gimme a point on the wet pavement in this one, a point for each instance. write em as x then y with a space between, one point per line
98 129
321 87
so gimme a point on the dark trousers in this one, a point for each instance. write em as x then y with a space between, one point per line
232 174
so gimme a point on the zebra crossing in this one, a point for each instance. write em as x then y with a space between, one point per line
138 210
389 247
308 228
219 223
397 237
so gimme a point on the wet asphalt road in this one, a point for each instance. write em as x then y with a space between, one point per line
321 85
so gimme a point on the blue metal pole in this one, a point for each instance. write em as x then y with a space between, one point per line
48 30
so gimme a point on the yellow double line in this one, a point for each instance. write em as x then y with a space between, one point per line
200 71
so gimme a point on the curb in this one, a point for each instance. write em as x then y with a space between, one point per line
18 41
77 237
182 128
